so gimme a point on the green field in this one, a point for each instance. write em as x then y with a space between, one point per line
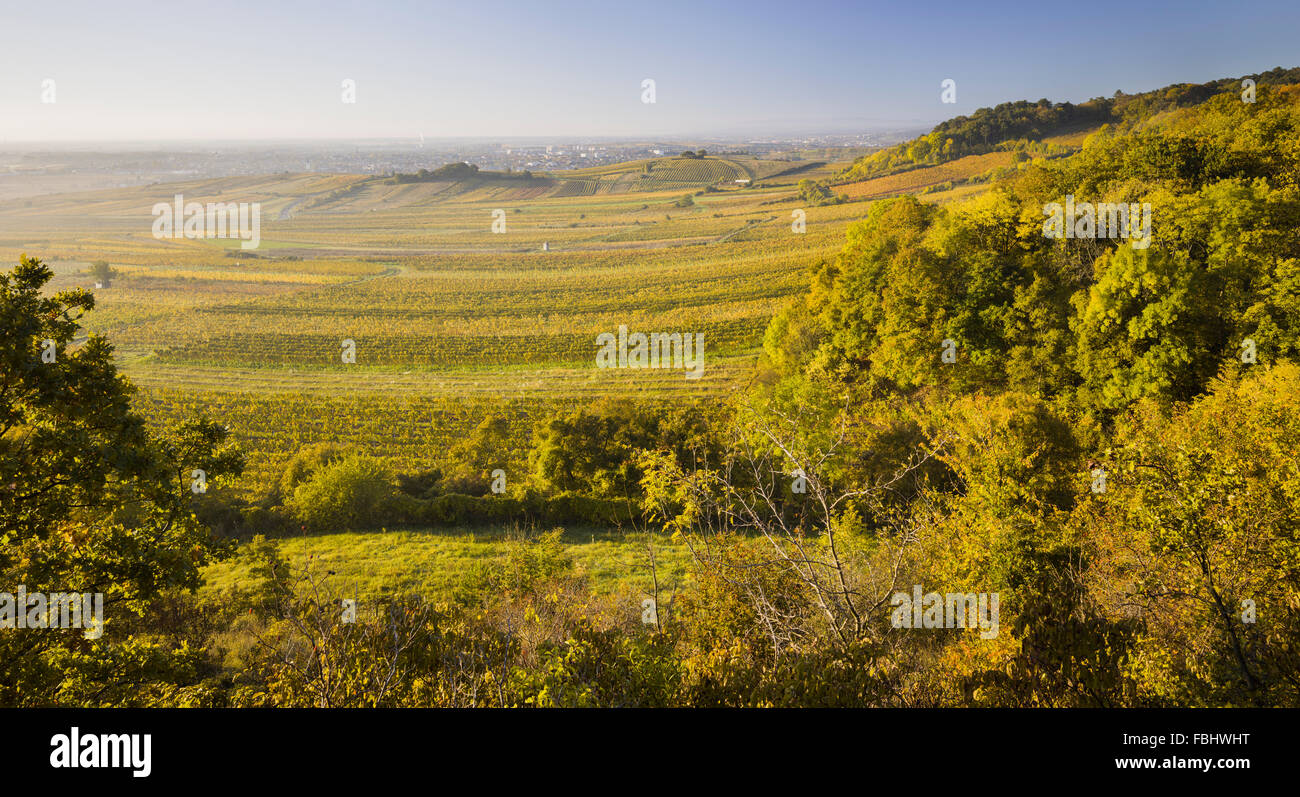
372 565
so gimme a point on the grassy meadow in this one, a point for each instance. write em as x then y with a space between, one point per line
390 562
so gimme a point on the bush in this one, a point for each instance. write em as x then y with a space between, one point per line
307 461
455 509
585 510
424 484
101 271
351 493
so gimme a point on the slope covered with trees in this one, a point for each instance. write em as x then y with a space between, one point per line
1113 422
1023 124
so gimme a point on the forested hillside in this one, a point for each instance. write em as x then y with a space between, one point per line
1116 426
1023 124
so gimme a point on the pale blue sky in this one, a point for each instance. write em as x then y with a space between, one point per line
244 69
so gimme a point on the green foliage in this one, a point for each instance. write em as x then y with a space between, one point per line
1071 654
815 193
471 462
1009 123
601 668
1012 453
1209 502
101 271
1099 321
792 337
979 133
90 502
594 450
305 463
349 493
528 566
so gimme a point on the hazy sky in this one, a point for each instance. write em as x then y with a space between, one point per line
232 69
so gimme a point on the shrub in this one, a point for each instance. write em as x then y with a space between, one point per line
350 493
307 461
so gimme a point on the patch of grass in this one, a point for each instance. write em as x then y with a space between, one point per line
434 563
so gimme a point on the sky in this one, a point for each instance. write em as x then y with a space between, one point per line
263 70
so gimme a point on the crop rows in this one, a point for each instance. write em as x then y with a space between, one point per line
319 350
408 433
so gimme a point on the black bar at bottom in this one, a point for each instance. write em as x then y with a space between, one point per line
739 748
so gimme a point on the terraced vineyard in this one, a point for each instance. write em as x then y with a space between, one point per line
670 172
451 321
925 177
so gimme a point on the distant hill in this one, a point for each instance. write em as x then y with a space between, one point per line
1027 125
688 171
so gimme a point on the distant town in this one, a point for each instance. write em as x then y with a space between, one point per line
32 169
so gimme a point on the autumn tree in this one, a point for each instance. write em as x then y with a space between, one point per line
91 501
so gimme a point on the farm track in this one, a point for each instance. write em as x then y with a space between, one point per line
748 226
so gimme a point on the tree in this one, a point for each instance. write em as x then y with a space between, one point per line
101 271
827 558
594 450
1200 537
1146 328
304 464
90 501
471 461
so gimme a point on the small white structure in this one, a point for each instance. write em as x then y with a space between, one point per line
546 246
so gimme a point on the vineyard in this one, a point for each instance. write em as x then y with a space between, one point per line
451 322
672 172
925 177
407 433
323 351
